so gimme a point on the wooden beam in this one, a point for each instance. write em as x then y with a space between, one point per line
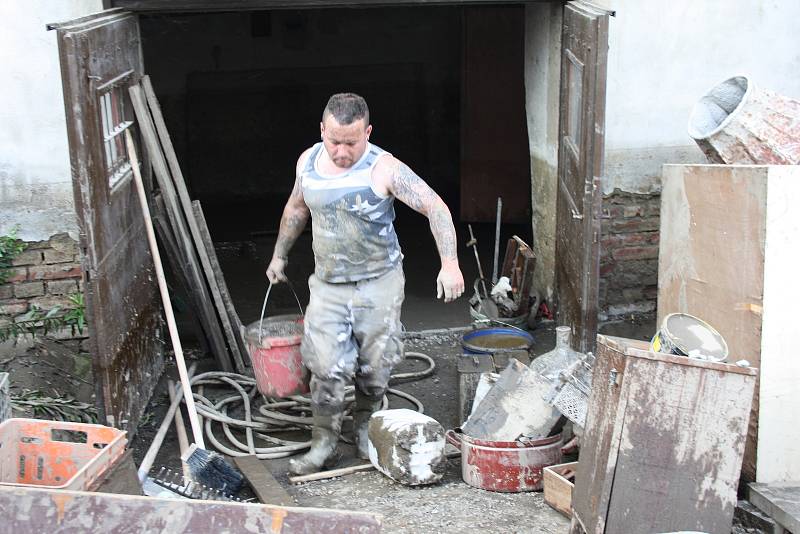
178 267
27 509
249 5
267 489
206 311
236 323
214 278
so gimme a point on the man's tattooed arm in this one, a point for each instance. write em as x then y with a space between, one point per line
414 192
294 219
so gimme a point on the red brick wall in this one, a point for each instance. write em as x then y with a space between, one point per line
44 275
629 254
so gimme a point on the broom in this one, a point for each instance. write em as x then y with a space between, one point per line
206 467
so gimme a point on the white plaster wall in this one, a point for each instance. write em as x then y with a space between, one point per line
35 182
664 56
542 79
778 456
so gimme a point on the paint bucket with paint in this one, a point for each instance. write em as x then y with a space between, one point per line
506 466
686 335
496 340
274 348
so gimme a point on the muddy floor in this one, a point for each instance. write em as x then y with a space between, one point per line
450 505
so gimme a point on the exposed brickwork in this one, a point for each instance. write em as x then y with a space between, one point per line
44 275
629 254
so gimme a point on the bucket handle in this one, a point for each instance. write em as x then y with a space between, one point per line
454 438
264 306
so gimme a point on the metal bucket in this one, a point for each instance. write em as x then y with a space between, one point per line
737 122
506 466
495 340
686 335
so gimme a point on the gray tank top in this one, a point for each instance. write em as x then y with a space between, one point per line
351 225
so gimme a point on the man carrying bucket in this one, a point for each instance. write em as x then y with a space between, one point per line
352 323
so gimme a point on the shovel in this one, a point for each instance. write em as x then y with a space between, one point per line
488 306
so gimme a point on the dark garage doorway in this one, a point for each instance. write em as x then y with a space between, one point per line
242 94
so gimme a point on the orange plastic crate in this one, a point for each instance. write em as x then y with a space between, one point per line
57 455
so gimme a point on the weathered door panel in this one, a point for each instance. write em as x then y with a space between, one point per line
495 159
590 496
580 167
100 57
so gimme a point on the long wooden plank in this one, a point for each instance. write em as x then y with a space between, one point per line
236 323
207 313
27 509
214 282
174 254
267 489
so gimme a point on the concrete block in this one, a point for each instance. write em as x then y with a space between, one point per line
514 407
29 289
62 287
747 516
780 501
28 257
407 446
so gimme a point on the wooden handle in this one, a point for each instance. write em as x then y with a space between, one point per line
158 439
180 429
197 430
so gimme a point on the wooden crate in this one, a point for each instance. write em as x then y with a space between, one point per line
558 487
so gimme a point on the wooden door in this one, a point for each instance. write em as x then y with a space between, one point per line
580 167
100 58
495 159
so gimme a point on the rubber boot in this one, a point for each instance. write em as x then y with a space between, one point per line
366 405
324 445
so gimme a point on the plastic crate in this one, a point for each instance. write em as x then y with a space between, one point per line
57 455
5 397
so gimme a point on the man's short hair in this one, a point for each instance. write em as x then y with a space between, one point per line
346 108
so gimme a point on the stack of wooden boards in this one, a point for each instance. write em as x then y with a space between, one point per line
184 236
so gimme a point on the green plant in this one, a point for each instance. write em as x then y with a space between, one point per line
39 322
75 317
10 248
63 408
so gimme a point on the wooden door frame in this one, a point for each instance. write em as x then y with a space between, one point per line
207 6
582 316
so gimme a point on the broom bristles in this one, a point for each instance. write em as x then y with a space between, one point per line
213 470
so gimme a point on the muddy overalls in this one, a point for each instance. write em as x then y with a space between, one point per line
352 324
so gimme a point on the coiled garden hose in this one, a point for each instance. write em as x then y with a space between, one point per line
275 416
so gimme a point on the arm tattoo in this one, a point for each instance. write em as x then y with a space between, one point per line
293 222
443 231
413 191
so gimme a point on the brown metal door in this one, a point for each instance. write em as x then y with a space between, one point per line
580 166
100 58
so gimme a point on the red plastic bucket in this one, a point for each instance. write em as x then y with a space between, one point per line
506 466
274 347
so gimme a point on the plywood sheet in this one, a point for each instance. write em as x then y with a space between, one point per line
711 258
681 445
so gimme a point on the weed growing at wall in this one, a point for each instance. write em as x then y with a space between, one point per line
10 248
38 322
